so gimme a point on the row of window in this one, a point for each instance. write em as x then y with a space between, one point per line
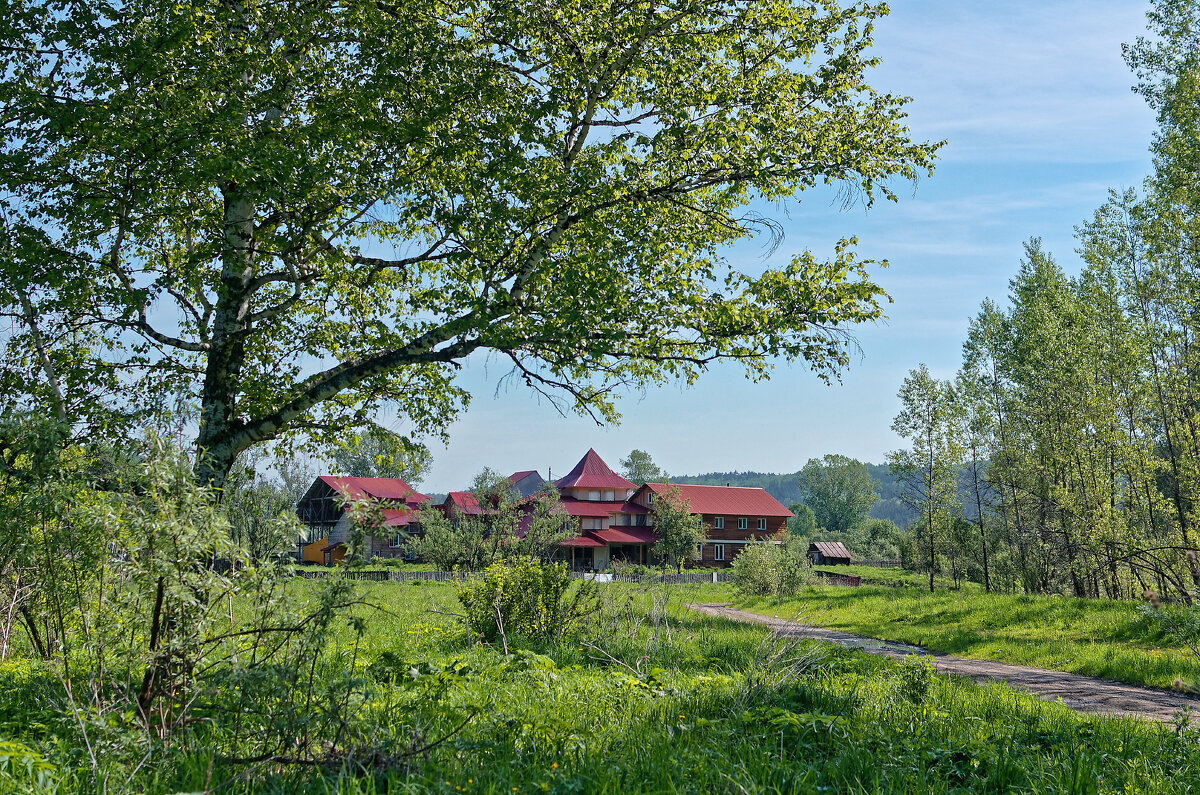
608 495
743 524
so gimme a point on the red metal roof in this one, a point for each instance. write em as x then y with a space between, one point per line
375 488
396 517
592 473
581 541
724 500
626 535
462 502
590 508
517 477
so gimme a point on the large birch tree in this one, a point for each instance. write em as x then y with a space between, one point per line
297 214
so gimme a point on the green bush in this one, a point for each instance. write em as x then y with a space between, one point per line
765 569
528 598
913 676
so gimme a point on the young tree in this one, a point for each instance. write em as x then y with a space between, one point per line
679 530
504 527
840 491
639 468
300 212
929 469
975 430
261 514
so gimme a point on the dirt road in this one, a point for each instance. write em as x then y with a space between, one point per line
1083 693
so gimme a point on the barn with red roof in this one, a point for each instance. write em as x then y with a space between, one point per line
323 513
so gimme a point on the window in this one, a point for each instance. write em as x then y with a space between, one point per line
649 498
762 524
699 552
609 496
594 496
395 541
719 523
718 552
743 523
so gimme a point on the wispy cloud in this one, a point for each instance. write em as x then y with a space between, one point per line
1018 80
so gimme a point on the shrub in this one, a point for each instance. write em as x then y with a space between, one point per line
528 598
632 569
913 677
765 569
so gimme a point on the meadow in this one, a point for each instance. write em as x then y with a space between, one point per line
1094 637
662 700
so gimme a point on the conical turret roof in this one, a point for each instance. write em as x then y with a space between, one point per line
592 473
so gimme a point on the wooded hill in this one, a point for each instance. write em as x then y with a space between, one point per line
786 488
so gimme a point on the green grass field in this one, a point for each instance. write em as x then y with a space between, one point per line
1086 636
557 719
897 578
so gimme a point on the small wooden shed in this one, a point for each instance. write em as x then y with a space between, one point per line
828 553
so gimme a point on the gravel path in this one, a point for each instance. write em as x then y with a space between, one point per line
1082 693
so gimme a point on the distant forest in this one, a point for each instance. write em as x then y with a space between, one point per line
786 489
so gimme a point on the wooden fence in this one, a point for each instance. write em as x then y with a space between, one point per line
691 577
831 578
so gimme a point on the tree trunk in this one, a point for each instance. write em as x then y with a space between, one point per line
218 404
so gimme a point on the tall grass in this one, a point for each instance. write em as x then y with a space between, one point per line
657 704
1094 637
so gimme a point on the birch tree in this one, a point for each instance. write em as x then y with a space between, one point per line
928 469
303 213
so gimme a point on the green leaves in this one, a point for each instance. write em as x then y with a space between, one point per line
304 213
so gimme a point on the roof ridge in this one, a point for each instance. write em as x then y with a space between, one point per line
703 485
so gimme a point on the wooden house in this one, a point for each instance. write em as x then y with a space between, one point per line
732 516
327 521
611 528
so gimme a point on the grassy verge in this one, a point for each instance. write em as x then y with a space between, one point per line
1085 636
896 578
557 719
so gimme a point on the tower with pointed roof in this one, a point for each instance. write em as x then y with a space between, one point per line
593 480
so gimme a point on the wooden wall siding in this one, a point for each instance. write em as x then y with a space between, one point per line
378 547
312 552
776 527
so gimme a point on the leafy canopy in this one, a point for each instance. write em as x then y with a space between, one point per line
639 467
840 491
380 453
302 213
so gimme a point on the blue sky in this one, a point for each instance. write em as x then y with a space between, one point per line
1035 101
